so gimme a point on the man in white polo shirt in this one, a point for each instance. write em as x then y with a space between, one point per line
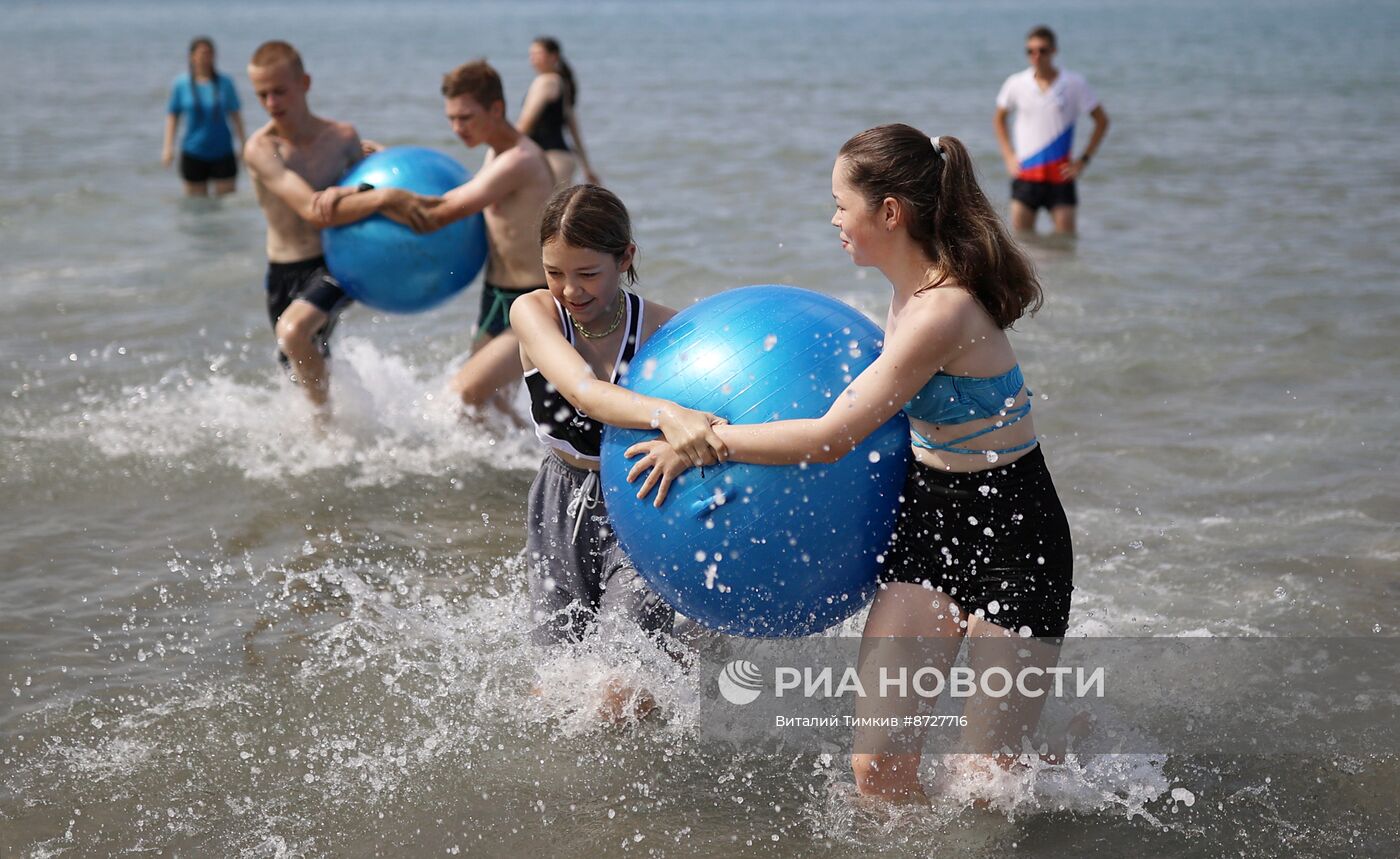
1046 101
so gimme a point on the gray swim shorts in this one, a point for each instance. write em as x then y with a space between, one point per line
578 572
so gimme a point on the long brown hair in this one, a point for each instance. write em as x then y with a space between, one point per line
949 216
589 217
213 77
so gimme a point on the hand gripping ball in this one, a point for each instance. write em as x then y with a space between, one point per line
384 263
761 550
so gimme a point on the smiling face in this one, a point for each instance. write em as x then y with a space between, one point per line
865 230
585 281
280 90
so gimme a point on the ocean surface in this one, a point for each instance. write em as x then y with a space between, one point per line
222 635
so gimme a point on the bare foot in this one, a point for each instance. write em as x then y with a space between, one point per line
621 704
892 779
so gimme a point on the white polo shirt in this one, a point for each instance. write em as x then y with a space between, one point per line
1042 127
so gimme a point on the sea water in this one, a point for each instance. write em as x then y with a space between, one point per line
223 635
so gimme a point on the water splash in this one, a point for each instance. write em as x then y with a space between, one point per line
392 422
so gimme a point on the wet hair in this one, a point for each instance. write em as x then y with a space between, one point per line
948 215
1042 32
476 79
589 217
276 51
213 77
551 44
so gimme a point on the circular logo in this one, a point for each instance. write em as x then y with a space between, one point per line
740 682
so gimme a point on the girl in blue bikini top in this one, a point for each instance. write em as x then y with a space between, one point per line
951 400
982 547
911 207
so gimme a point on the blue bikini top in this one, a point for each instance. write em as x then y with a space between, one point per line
958 399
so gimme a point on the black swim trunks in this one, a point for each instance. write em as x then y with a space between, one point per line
495 307
996 541
310 281
1044 195
194 169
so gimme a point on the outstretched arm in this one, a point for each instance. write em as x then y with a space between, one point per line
871 399
534 320
497 179
342 204
267 167
345 205
265 164
909 358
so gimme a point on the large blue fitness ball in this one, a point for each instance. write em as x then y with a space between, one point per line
761 550
384 263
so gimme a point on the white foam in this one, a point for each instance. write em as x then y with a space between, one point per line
391 422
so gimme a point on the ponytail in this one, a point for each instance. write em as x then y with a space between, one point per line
949 217
570 87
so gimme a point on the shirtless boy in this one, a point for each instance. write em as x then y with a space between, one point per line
289 159
511 190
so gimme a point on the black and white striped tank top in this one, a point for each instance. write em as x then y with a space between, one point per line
557 423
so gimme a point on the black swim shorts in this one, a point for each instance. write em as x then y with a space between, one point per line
996 542
310 281
1044 195
495 307
193 169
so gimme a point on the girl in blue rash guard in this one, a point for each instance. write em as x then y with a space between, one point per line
208 102
981 550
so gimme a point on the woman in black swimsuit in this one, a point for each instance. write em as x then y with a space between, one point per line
549 108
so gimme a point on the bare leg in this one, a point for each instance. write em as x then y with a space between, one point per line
296 337
493 366
995 726
1022 217
223 187
621 703
884 765
196 189
1064 219
563 163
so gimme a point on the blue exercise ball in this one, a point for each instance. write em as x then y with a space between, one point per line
384 263
761 550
